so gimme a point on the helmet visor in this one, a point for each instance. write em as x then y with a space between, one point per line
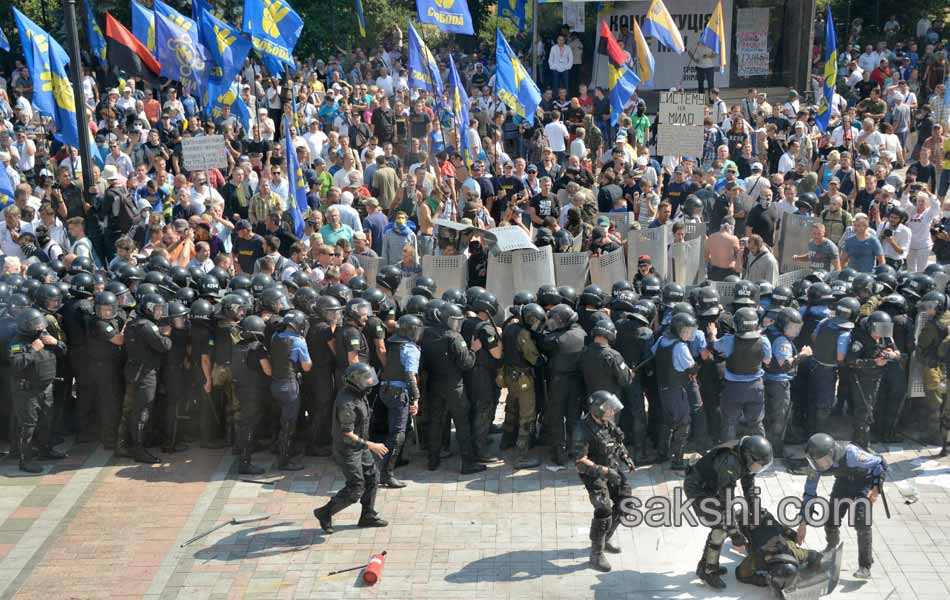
105 312
759 467
820 464
455 323
792 330
158 311
928 307
687 334
125 299
178 322
332 316
884 330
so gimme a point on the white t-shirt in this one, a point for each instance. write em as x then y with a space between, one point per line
557 135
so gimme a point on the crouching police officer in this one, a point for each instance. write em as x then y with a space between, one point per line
33 353
399 390
353 451
708 483
600 459
520 356
859 475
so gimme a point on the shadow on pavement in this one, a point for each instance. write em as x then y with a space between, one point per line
260 542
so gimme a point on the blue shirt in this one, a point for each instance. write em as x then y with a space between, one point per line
854 458
844 338
682 361
782 350
298 351
409 357
819 311
190 103
862 253
725 345
697 344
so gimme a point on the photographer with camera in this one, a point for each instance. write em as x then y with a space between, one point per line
895 237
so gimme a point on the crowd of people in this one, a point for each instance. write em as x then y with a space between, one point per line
141 293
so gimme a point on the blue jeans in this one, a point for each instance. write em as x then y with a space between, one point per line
560 79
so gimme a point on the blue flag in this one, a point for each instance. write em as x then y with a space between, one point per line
97 41
448 15
458 100
4 42
6 188
199 5
831 74
143 25
181 21
361 18
275 28
38 61
182 58
515 11
221 95
423 68
513 85
658 23
226 45
297 202
64 113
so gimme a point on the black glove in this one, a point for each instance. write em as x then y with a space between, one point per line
613 477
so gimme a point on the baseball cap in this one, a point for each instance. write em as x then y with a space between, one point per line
834 180
143 205
242 224
756 166
371 202
359 235
532 169
888 188
644 260
181 224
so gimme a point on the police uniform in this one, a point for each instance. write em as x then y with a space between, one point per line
803 401
634 340
176 388
146 347
743 391
78 313
829 340
519 356
893 388
288 351
398 389
32 375
779 374
856 472
226 334
937 408
7 332
865 380
202 343
104 359
319 387
604 369
676 375
481 382
348 338
565 387
251 385
772 546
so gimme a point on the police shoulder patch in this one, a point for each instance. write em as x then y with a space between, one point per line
153 326
16 348
109 328
491 339
857 346
785 348
354 342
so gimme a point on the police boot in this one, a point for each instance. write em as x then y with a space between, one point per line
614 524
122 439
559 455
644 455
387 479
524 460
325 513
139 452
711 575
245 466
470 465
27 464
285 461
507 439
677 446
945 446
598 539
861 436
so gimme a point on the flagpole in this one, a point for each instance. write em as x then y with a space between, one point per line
75 75
534 39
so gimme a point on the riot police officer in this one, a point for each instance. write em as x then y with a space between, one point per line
289 358
481 381
676 376
893 387
320 381
78 312
936 320
603 367
32 354
520 355
146 343
773 558
711 481
104 349
562 344
859 475
829 344
868 352
746 352
634 339
232 308
591 302
601 458
350 345
779 373
251 368
176 387
399 390
353 451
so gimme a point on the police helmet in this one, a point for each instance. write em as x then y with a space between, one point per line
123 296
894 305
424 286
568 295
253 328
651 288
673 293
644 311
357 309
451 317
48 298
30 323
756 453
604 328
241 282
746 293
592 296
879 324
782 296
389 277
106 306
548 295
416 305
533 317
328 309
683 326
296 321
560 317
789 321
153 307
360 378
603 405
409 327
82 285
454 296
357 284
821 451
304 300
201 310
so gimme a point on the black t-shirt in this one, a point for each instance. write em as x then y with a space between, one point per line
248 251
602 108
512 186
926 174
762 223
864 88
418 124
863 200
374 331
544 206
258 147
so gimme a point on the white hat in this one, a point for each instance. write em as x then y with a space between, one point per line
888 188
756 166
110 173
5 156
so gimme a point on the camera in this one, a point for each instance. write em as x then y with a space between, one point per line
887 233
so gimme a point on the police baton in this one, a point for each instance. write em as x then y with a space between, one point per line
887 508
235 521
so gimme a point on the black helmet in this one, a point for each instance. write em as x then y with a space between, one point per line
209 287
153 307
82 285
340 292
81 264
523 297
548 295
168 288
819 294
17 303
862 286
651 288
389 277
221 275
433 314
181 276
357 284
195 272
848 274
99 280
731 278
410 327
233 307
683 326
454 296
304 300
568 295
158 263
682 307
451 317
130 275
789 321
40 272
604 328
821 451
357 309
746 293
375 298
563 241
935 302
298 280
241 282
543 238
765 289
673 293
122 294
847 311
818 276
14 280
746 321
360 378
253 328
926 283
693 206
756 453
839 289
644 311
601 402
28 286
328 309
622 302
201 310
782 296
800 290
155 278
934 269
592 296
248 297
296 321
879 323
259 283
894 305
416 305
177 314
886 283
707 302
145 288
424 286
58 267
63 287
621 285
807 201
47 298
533 317
560 317
486 302
882 268
31 324
106 306
274 300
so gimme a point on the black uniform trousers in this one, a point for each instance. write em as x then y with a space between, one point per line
34 413
320 391
845 488
362 481
449 397
101 387
566 391
483 398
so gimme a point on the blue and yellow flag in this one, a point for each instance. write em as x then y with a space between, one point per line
623 81
182 58
361 18
423 68
658 23
64 114
221 95
4 42
714 36
644 58
448 15
143 25
513 85
97 41
6 188
458 100
199 5
38 61
297 201
274 27
831 74
225 44
515 11
181 21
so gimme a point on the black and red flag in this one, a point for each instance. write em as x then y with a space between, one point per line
127 53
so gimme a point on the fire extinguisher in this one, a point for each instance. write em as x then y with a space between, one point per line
375 568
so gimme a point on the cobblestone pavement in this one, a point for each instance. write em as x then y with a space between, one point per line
96 527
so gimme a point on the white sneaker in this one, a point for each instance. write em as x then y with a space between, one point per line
863 573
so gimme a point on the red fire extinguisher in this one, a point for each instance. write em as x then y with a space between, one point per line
375 568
